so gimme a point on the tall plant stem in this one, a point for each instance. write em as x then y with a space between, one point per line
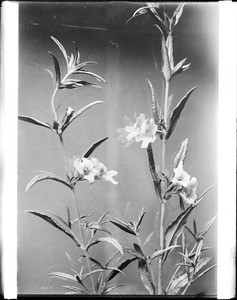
64 153
52 104
162 205
82 236
167 85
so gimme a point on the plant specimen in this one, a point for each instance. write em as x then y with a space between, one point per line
90 275
181 186
81 230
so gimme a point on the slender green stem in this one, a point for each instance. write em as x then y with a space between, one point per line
78 216
53 99
162 205
53 106
166 101
82 236
64 153
160 265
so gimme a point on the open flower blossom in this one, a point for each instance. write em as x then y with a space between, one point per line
143 130
92 169
188 184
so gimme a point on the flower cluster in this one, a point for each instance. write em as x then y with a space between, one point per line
91 170
188 184
143 130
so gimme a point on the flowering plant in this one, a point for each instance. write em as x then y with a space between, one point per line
182 185
79 169
171 239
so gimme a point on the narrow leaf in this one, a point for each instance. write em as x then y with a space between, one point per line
181 280
64 276
156 110
190 231
56 225
99 283
120 267
204 193
181 203
179 65
154 175
177 14
140 11
124 228
69 222
90 273
169 103
111 287
111 258
92 244
57 70
83 72
112 241
166 68
176 113
50 73
147 240
102 217
133 252
169 46
69 259
33 121
181 155
158 20
177 284
145 277
198 251
75 83
204 272
194 227
80 111
42 177
202 263
61 48
208 226
96 262
60 218
141 216
93 147
161 252
175 228
85 63
139 250
75 289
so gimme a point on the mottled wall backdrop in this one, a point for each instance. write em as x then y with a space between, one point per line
126 55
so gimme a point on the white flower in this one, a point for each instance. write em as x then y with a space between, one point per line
142 130
92 170
188 184
100 171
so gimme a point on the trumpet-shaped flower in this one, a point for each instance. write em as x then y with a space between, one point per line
91 170
143 130
188 184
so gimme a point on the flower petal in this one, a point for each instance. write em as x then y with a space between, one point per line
108 176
